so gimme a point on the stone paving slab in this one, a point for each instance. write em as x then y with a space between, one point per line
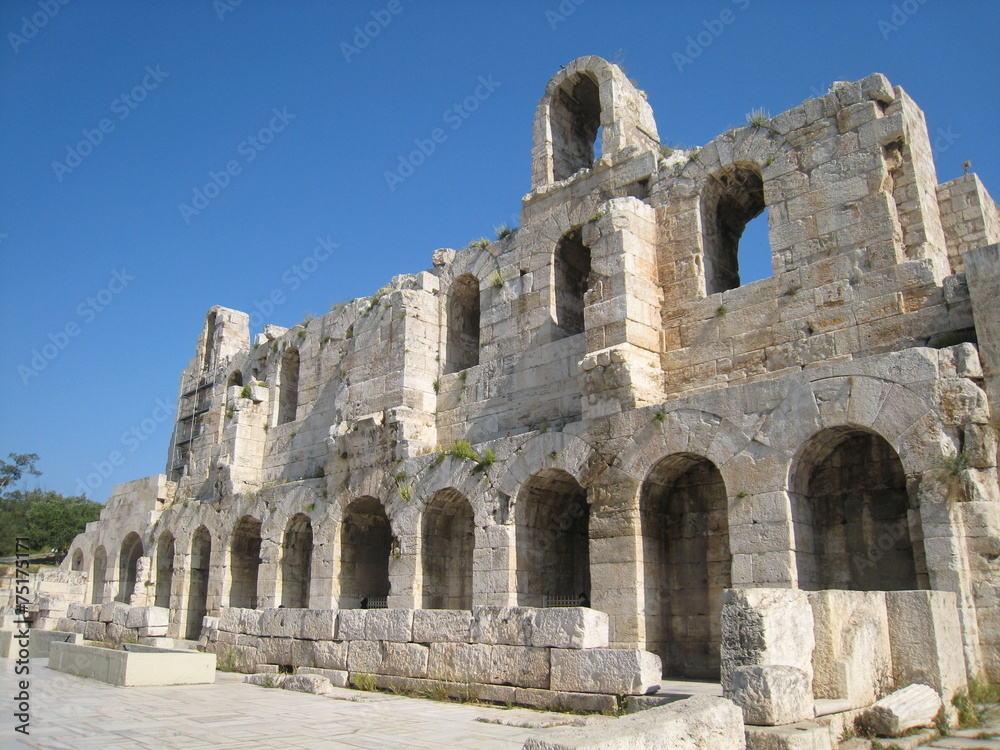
74 713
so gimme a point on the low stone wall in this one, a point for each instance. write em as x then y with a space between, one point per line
116 622
38 642
540 657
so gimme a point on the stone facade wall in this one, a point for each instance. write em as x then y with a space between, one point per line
684 441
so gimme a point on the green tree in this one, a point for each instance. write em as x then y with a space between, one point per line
46 519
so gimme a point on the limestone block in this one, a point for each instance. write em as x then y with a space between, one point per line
108 610
303 653
389 625
209 623
852 658
147 617
510 626
330 654
351 624
76 611
386 657
307 683
153 631
337 677
94 612
612 671
79 627
520 666
766 626
118 633
65 624
251 622
691 724
913 706
570 627
96 631
275 650
771 694
265 679
229 620
318 624
459 662
923 635
442 626
801 736
281 621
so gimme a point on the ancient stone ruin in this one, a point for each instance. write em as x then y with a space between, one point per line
788 485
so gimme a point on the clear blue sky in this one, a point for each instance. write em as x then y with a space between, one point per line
180 90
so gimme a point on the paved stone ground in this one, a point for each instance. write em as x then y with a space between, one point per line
73 713
968 739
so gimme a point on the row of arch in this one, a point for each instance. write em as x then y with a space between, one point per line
854 527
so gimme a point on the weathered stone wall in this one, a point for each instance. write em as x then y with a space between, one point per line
615 414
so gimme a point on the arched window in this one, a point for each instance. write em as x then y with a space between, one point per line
853 517
365 546
733 198
164 568
296 562
553 540
686 563
447 543
128 563
571 274
197 603
462 349
575 117
244 563
288 386
235 378
77 563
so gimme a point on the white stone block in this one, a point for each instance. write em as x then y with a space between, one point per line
337 677
520 666
108 610
459 662
570 627
330 654
766 626
147 617
351 624
801 736
771 694
852 658
691 724
442 626
318 624
611 671
924 633
509 626
76 611
389 625
307 683
913 706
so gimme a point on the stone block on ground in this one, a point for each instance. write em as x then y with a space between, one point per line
766 626
281 621
692 724
330 654
265 679
802 736
388 658
116 612
95 631
771 695
852 658
913 706
611 671
570 627
924 631
307 683
442 626
337 677
521 666
76 611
